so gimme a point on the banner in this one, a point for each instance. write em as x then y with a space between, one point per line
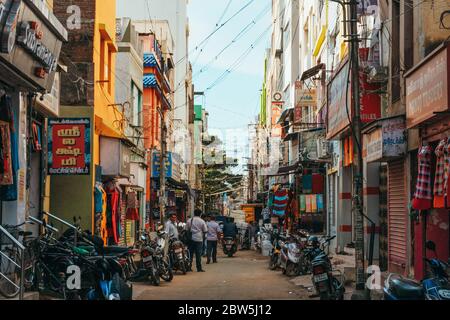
69 146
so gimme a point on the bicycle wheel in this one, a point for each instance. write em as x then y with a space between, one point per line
10 273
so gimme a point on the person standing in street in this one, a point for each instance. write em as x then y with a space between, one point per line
214 232
171 226
197 227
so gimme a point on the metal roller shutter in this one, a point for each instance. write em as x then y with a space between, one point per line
397 216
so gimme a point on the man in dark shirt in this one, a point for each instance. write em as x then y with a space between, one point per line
229 228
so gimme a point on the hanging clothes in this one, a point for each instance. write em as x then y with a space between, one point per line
9 192
447 172
313 203
318 184
440 175
113 212
6 170
423 195
132 206
320 206
280 202
302 203
307 183
308 204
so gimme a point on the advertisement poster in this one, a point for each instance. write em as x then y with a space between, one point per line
69 146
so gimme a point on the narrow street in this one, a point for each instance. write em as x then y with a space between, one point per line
243 277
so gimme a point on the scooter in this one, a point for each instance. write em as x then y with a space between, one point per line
435 287
290 255
327 284
229 246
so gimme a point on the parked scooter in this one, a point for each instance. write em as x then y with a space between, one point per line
327 285
434 287
290 255
162 255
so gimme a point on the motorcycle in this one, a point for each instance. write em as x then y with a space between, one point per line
434 287
177 256
149 268
229 246
161 254
327 285
277 245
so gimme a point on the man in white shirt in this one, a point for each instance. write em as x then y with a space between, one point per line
214 232
198 228
171 226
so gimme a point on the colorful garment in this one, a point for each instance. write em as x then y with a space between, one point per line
308 204
302 203
132 206
318 184
6 170
307 183
441 174
423 194
320 206
280 202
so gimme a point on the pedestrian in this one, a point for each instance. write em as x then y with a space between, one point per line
197 226
214 232
171 226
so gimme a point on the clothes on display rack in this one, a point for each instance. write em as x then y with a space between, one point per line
440 175
9 192
113 212
100 207
132 206
320 204
6 169
302 203
423 194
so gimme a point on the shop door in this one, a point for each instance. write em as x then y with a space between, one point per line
397 217
383 218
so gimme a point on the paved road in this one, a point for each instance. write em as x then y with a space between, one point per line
243 277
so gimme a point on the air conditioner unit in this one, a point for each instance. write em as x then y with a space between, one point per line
378 74
323 148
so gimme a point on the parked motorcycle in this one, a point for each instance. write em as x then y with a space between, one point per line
434 287
149 265
177 257
229 246
327 284
278 242
162 255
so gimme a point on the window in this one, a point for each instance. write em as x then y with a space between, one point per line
136 119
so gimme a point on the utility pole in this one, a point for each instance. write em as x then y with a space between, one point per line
358 170
162 168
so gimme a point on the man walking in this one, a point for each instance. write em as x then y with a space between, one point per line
198 229
212 238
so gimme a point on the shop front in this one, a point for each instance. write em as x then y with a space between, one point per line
385 141
427 109
339 113
29 93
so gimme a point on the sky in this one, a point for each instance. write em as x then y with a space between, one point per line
234 102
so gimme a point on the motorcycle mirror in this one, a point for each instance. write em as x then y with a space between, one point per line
430 245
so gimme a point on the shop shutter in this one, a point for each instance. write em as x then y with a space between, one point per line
397 216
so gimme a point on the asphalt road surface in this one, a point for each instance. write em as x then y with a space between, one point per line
245 276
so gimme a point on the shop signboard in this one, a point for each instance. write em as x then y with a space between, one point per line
339 102
69 146
156 165
31 41
387 141
427 87
276 113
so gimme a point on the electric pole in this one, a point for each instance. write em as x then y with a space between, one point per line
162 168
358 170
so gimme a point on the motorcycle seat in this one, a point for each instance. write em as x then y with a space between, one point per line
116 249
406 288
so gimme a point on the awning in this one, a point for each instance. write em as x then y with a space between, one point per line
286 113
312 72
287 170
174 184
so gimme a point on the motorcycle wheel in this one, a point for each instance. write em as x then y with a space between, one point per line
230 254
183 267
166 273
292 270
155 276
273 263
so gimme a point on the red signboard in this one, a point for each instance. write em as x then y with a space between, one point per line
69 146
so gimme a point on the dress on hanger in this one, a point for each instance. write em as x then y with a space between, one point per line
423 195
440 175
